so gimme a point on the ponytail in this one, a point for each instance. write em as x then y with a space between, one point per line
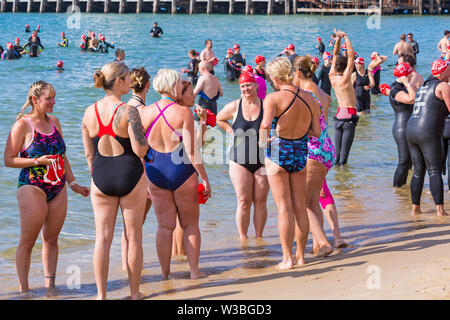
35 91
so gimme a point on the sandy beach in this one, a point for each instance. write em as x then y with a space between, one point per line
416 265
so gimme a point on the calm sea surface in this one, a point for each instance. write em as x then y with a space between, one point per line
370 210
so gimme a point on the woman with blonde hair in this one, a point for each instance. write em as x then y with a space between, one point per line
35 144
113 153
321 153
172 164
291 114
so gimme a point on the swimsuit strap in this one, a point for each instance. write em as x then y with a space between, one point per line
108 129
296 96
161 113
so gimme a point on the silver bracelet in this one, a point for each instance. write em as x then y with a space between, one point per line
72 183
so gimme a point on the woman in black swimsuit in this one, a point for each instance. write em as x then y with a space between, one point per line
246 157
113 153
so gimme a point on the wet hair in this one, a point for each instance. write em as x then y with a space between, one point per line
192 52
166 81
408 58
110 72
281 69
403 36
36 90
118 52
305 65
139 78
341 63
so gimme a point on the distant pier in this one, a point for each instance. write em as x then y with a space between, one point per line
322 7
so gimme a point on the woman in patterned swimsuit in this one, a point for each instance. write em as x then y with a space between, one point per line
321 154
33 143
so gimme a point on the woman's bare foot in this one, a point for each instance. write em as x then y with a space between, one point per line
198 275
415 210
299 261
138 296
286 264
340 243
325 251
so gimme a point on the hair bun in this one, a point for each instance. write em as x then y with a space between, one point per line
99 79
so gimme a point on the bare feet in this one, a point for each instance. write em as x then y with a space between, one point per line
325 251
198 275
415 210
286 264
299 261
138 296
340 244
442 213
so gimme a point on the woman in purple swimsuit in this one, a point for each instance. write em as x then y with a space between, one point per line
35 144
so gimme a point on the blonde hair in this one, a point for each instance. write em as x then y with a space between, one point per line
139 78
281 69
166 81
36 90
110 72
305 65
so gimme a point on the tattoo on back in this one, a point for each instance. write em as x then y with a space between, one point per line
136 124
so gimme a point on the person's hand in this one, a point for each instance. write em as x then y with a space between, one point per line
81 190
367 88
243 56
45 160
183 70
322 193
207 191
202 113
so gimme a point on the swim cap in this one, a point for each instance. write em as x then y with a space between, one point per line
63 34
230 51
102 37
290 47
438 66
319 39
448 46
211 118
402 70
359 60
201 197
17 40
384 89
246 77
59 64
373 56
9 45
83 37
38 26
326 56
259 59
27 26
248 68
315 60
236 46
215 62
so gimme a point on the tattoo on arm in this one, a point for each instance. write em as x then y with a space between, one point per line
136 124
118 116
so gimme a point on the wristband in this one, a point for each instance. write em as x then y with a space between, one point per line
36 161
72 183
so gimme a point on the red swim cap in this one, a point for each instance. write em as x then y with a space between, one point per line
236 46
259 59
344 46
201 197
211 118
63 34
319 39
38 26
230 51
402 70
248 68
9 45
373 56
83 37
290 47
102 37
448 46
27 26
17 40
384 89
59 64
315 60
246 77
326 56
359 60
438 66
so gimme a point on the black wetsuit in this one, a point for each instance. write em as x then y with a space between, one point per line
103 47
230 69
238 59
362 95
446 139
344 133
377 80
415 46
261 74
19 50
315 79
208 103
292 57
424 133
34 46
156 32
321 48
245 150
324 79
192 71
11 54
402 114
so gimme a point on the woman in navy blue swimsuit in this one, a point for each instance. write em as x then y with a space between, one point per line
172 166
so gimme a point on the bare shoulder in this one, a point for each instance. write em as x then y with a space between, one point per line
21 126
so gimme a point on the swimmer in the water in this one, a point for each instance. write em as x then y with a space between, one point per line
33 44
120 55
10 53
424 133
207 55
239 59
208 89
417 80
192 69
447 55
363 81
27 28
103 46
156 31
320 46
403 47
289 51
260 62
324 79
230 66
19 49
443 43
93 43
64 41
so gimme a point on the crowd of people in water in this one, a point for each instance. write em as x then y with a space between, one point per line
280 142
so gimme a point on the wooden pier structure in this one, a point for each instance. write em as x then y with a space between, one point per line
323 7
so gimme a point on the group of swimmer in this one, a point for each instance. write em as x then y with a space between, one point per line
89 42
142 154
15 50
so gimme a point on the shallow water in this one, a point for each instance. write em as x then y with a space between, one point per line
370 210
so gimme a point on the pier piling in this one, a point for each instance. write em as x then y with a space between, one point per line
43 5
30 6
122 6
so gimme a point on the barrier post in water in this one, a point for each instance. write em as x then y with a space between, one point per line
89 6
139 6
231 6
209 6
122 6
174 6
107 4
29 6
43 5
294 6
191 6
286 7
248 4
155 6
15 6
269 7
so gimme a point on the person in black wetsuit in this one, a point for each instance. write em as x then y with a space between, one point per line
10 53
192 69
260 62
320 46
19 49
446 139
414 44
424 133
246 157
34 43
64 41
27 28
84 43
401 97
103 45
156 31
229 66
362 80
239 59
317 63
324 79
